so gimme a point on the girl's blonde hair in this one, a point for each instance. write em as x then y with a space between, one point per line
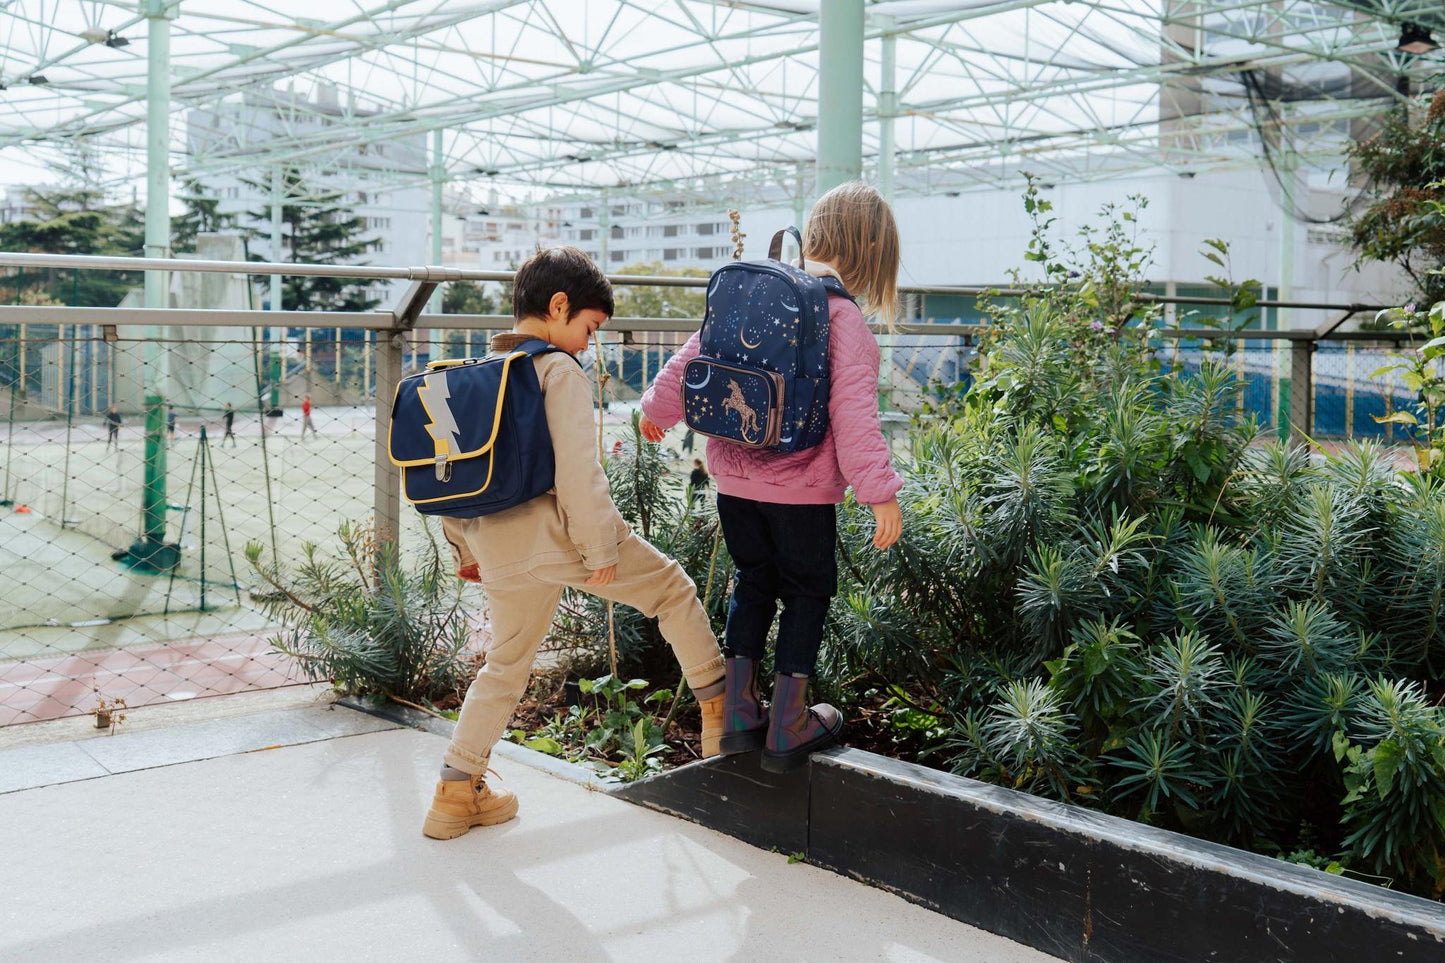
852 228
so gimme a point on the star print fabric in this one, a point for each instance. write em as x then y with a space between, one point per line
762 376
853 451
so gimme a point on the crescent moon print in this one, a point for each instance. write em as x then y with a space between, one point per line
790 307
704 381
743 337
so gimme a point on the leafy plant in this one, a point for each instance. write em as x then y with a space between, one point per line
365 621
1404 171
1421 372
1113 591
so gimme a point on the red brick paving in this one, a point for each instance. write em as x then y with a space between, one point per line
33 690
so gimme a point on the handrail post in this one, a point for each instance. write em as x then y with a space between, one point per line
386 505
1301 391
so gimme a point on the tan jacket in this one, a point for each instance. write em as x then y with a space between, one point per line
576 520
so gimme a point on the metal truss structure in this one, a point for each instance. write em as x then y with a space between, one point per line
688 98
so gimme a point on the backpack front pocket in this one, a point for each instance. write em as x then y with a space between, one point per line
734 402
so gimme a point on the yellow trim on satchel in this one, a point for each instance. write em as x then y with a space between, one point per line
459 456
491 463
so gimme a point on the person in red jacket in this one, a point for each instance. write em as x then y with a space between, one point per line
306 424
779 511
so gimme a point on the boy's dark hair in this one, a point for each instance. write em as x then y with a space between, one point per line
562 268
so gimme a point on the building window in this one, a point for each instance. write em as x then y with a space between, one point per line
669 230
616 257
617 232
670 253
586 234
706 229
586 212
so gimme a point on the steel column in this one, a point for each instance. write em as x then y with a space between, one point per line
840 93
438 177
149 550
887 109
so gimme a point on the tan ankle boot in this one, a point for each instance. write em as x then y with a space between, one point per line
460 804
712 724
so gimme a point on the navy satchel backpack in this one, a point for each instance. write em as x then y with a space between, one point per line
761 375
470 435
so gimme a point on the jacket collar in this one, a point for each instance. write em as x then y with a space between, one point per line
820 269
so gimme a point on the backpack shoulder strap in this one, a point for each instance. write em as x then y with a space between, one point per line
535 347
835 286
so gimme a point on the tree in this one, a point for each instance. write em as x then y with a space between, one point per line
74 219
316 228
467 297
202 216
655 302
1404 223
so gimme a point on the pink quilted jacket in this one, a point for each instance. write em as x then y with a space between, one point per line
854 452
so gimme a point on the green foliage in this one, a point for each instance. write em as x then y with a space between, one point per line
202 215
75 218
1115 592
1420 369
467 297
616 734
1404 170
654 302
365 621
317 228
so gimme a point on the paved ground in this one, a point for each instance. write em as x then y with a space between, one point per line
313 851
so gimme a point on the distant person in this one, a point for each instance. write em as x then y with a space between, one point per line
171 421
112 428
230 419
306 424
687 441
699 480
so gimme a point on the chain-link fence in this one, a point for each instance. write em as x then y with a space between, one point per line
145 450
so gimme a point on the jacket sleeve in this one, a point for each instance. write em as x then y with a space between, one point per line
662 402
863 453
592 520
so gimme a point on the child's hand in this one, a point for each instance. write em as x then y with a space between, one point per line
650 431
602 576
887 524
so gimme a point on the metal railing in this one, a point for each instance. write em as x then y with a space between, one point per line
88 631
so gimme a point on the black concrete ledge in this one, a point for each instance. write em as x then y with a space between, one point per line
1068 881
1087 886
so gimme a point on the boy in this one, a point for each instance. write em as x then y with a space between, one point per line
571 536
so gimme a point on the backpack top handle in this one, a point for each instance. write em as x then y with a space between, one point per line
775 249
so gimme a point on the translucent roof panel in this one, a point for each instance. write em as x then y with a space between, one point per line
684 95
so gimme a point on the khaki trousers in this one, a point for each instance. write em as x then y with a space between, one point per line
522 609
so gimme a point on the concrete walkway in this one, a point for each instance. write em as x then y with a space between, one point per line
313 851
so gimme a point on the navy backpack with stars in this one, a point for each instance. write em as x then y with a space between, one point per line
761 375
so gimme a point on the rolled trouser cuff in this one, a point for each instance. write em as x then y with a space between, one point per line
467 762
705 676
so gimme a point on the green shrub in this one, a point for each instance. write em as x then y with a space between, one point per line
367 622
1121 595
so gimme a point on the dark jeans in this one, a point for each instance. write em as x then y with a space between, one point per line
783 553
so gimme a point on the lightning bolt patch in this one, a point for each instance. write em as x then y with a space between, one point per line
443 425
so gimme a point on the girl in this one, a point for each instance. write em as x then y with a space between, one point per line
778 511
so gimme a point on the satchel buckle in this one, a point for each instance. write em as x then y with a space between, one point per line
444 470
